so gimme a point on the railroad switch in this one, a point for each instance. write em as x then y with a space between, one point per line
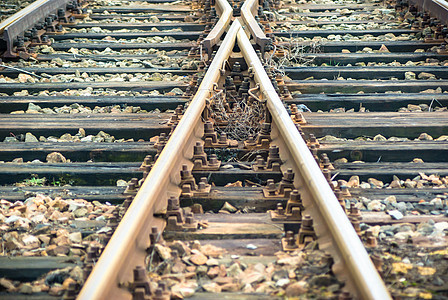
201 163
176 221
285 187
273 162
294 208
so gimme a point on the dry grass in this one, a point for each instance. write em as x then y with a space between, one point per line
295 53
245 119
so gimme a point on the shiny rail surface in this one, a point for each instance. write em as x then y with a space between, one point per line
131 237
24 19
335 233
212 39
126 249
248 11
21 13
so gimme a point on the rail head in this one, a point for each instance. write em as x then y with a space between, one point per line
248 11
332 226
127 247
225 10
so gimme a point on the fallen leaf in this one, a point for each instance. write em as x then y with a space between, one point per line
234 184
425 271
400 267
425 295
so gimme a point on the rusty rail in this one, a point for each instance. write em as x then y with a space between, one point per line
437 8
24 19
225 11
248 11
127 247
335 233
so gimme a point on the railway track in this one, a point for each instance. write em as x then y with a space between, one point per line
224 129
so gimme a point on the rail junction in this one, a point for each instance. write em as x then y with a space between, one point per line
207 149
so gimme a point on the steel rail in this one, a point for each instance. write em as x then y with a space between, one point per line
127 247
225 10
25 19
248 11
437 8
23 12
335 233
